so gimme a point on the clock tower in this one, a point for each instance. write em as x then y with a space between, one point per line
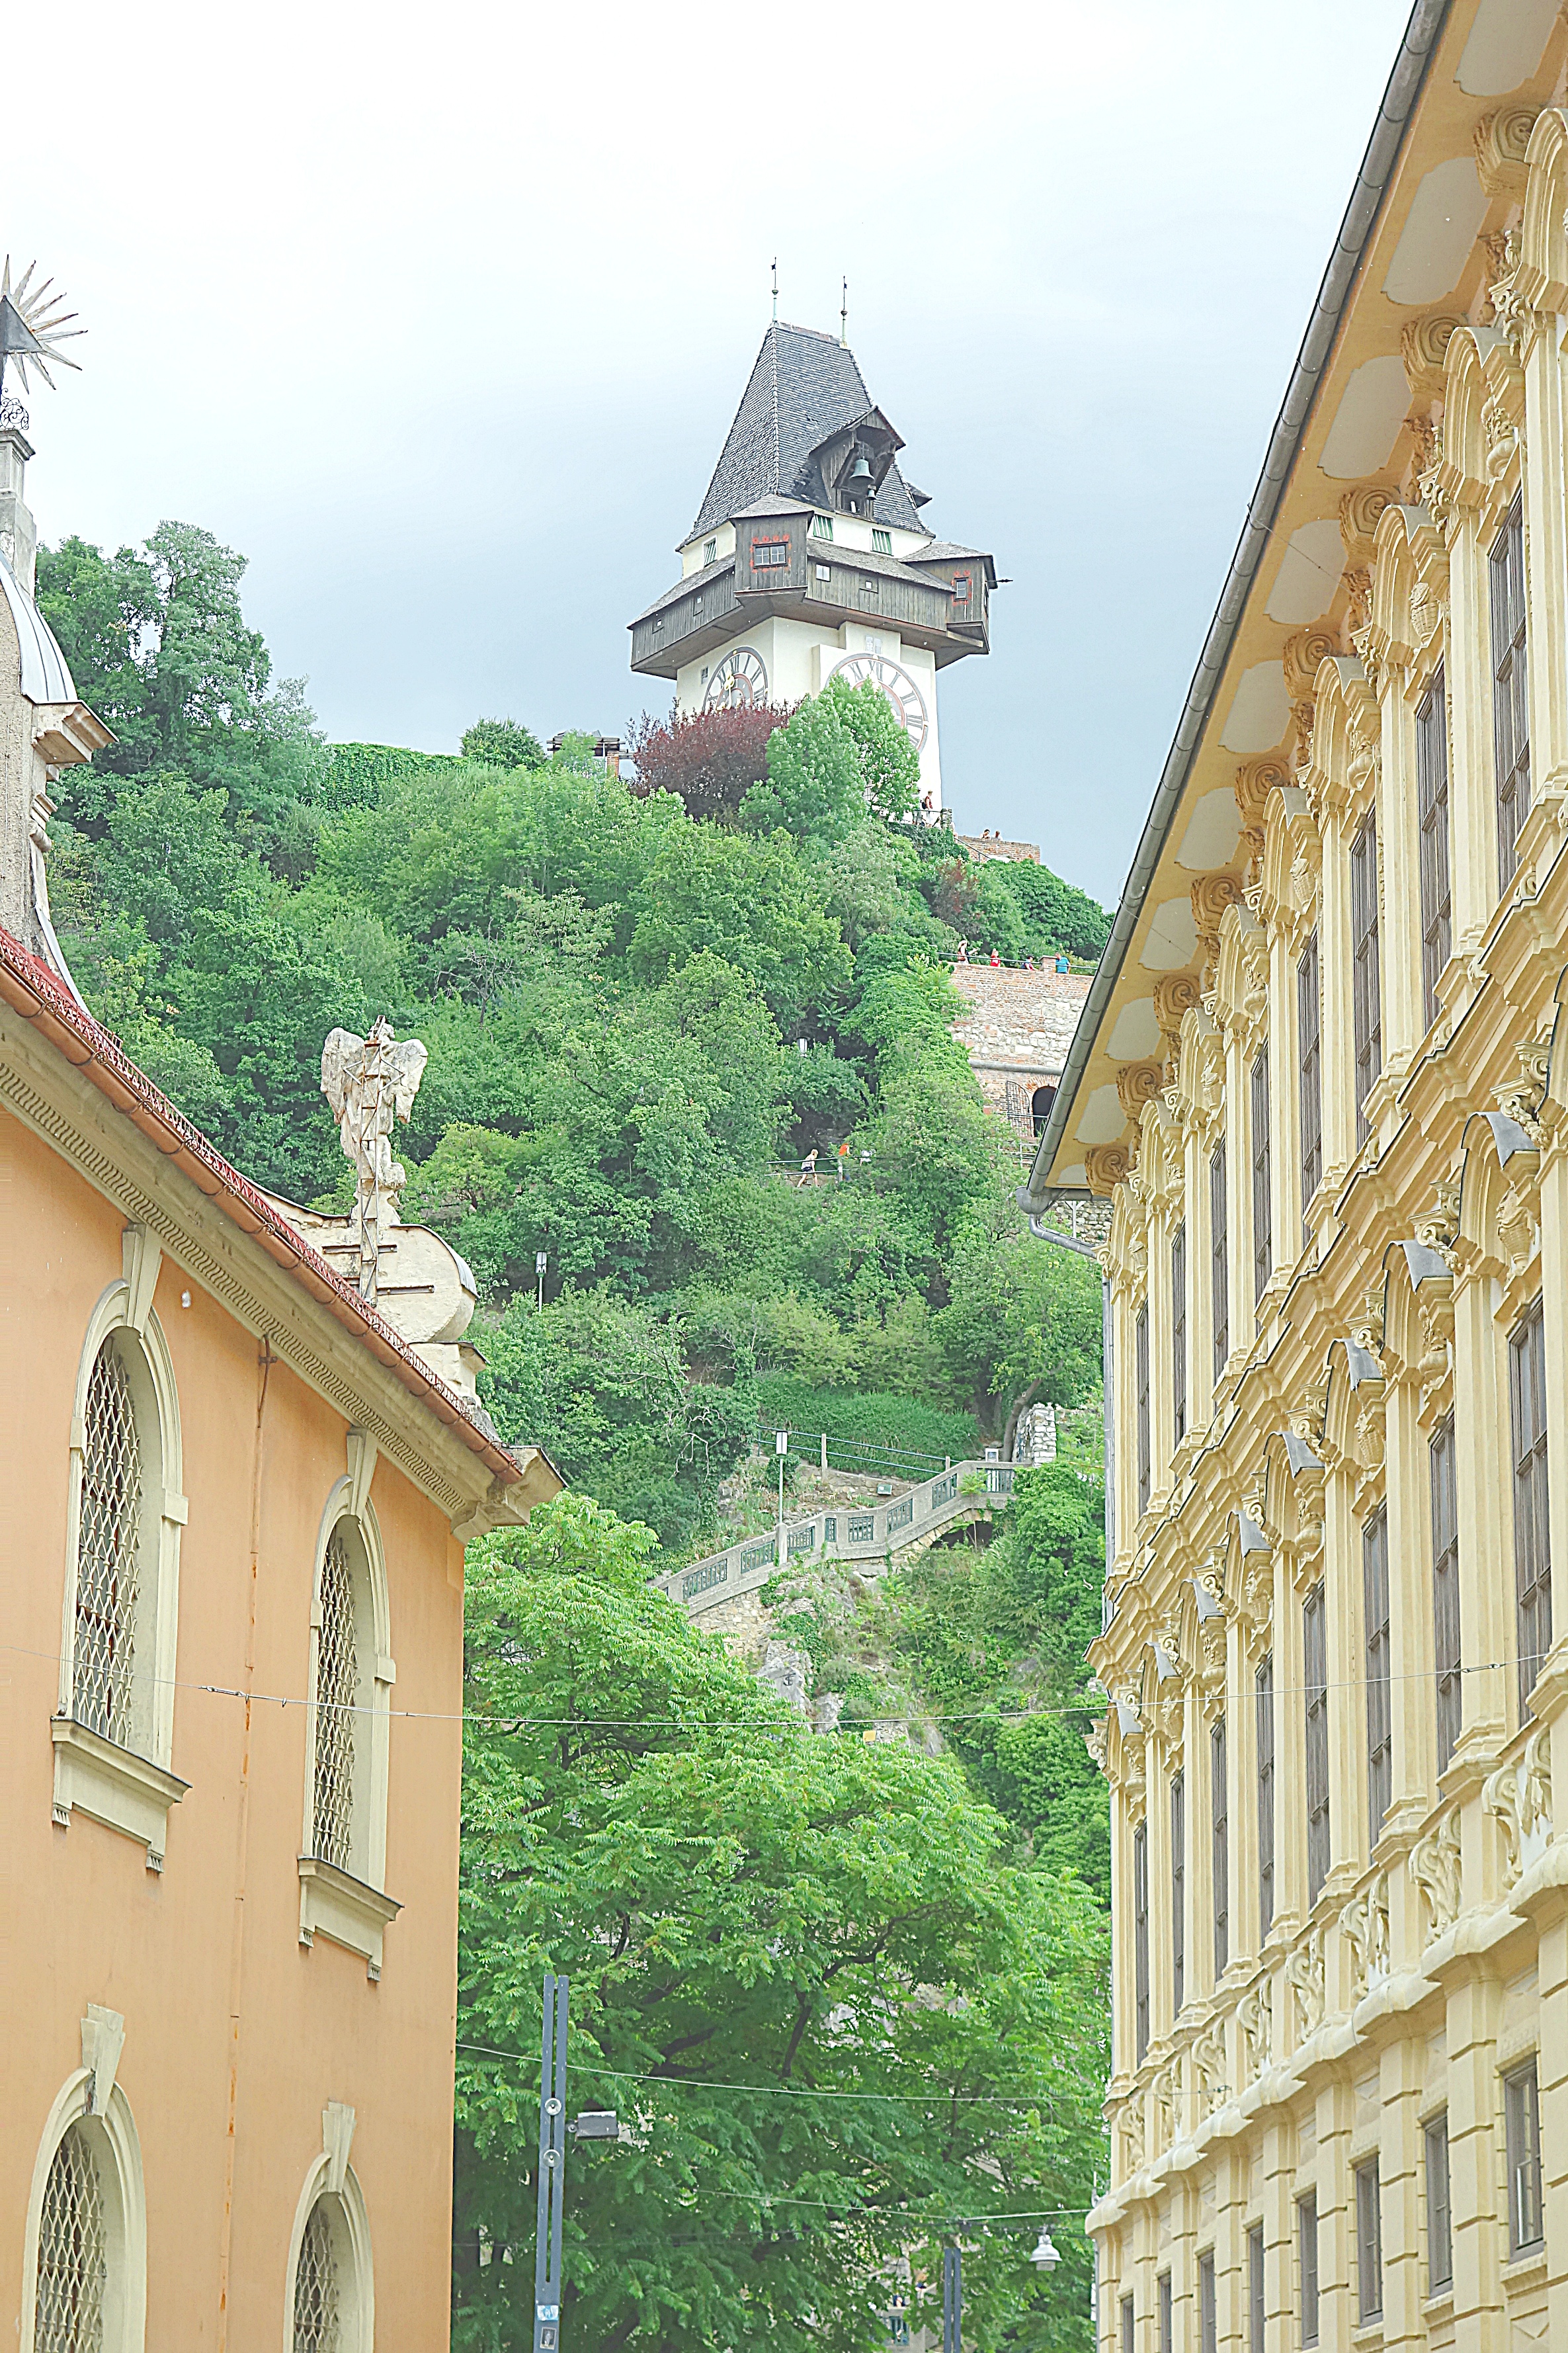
808 559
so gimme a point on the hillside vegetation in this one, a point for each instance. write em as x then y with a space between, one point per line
640 1021
847 1995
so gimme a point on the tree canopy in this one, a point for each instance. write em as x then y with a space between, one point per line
841 2026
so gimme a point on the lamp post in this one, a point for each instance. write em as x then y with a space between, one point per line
593 2123
781 1448
952 2301
540 1261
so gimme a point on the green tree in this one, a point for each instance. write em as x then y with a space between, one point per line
1023 1323
996 1640
502 743
843 751
160 648
746 1912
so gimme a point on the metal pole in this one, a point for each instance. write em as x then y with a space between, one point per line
952 2301
551 2168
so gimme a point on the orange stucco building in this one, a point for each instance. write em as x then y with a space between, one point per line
235 1504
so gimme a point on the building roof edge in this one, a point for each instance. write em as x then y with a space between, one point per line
31 989
1394 117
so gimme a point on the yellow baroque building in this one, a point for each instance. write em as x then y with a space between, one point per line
1322 1079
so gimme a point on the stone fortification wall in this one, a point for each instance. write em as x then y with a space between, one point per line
1016 1033
990 845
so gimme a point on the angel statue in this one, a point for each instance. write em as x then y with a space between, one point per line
369 1081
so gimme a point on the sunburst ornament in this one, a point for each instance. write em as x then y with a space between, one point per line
34 323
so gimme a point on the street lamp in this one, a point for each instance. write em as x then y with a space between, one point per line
540 1261
781 1448
1046 2255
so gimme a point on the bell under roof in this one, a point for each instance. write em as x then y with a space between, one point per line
805 386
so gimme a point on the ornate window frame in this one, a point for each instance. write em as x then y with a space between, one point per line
91 2099
129 1789
331 2178
351 1906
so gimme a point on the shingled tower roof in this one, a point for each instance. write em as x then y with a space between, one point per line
805 386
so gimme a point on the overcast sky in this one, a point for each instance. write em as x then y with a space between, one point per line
440 316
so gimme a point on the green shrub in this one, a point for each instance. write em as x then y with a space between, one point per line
869 1420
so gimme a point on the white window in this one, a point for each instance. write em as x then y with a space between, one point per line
331 2290
84 2283
342 1858
113 1731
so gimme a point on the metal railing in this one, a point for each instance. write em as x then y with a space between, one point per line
872 1537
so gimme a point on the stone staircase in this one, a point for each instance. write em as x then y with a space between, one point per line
877 1534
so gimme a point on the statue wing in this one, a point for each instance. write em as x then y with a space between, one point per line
339 1056
410 1059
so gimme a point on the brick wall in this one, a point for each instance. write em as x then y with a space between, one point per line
1016 1032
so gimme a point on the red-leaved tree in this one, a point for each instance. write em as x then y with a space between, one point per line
710 758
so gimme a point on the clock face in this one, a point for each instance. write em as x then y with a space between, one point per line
737 681
896 684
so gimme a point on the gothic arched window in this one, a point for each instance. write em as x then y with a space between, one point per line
114 1727
344 1858
73 2266
108 1553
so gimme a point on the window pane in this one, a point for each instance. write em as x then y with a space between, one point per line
1219 1795
1531 1534
1264 1798
108 1553
1439 2216
1207 2315
1379 1714
1162 2289
1178 1893
72 2278
1314 1647
1369 2241
1179 1330
1140 1367
1522 2114
317 2294
1432 788
1365 986
1307 2229
1219 1259
1445 1592
1309 1046
337 1697
1511 714
1141 1934
1129 2340
1255 2302
1262 1210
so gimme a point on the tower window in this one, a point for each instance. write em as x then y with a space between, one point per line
768 553
710 550
881 541
962 586
821 526
870 590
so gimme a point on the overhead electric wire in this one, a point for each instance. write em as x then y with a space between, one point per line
772 2091
767 1726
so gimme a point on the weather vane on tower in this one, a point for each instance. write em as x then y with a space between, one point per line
34 323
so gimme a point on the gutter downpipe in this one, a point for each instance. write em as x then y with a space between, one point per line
1404 87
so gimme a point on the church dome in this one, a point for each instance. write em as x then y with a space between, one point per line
46 673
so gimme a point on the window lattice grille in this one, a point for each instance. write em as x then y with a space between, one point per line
108 1553
337 1693
72 2270
317 2306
